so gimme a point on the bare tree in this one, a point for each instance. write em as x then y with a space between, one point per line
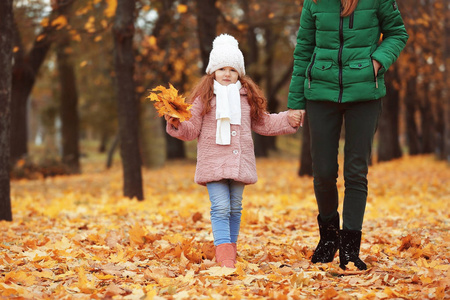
388 124
123 32
6 46
25 69
207 14
446 93
68 105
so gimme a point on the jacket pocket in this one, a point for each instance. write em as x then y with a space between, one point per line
375 79
309 70
351 20
362 70
321 71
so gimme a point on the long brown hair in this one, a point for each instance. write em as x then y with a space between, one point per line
205 90
348 6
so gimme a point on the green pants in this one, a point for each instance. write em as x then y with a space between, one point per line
325 122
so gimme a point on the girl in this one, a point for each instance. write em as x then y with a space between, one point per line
227 105
339 75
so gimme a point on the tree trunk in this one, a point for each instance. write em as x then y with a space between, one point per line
154 143
440 125
111 151
174 147
305 154
123 32
446 92
412 134
68 106
207 14
25 70
427 121
6 46
388 137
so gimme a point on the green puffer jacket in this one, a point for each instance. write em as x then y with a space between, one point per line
333 55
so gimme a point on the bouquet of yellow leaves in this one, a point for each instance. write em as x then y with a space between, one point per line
168 102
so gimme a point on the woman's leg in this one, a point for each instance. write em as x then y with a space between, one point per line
325 122
361 119
219 195
236 191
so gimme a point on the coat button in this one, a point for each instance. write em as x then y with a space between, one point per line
233 133
359 65
235 152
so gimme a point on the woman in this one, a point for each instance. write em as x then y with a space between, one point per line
339 75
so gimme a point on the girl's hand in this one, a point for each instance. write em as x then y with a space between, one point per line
376 66
295 117
175 122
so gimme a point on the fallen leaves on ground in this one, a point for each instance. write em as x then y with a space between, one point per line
77 237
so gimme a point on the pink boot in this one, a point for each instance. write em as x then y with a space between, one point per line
225 255
235 251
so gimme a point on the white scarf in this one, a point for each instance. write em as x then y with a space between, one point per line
228 110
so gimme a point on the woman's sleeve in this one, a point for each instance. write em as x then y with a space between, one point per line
394 34
306 41
188 130
274 124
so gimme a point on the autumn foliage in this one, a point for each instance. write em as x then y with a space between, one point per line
168 102
77 237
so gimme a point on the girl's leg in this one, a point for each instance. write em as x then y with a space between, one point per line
325 121
361 120
219 195
236 191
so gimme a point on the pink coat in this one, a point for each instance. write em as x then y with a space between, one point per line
237 160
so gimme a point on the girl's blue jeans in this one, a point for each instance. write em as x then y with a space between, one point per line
226 207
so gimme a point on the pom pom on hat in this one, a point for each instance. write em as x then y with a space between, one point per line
226 53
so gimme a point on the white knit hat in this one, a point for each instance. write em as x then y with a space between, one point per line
226 53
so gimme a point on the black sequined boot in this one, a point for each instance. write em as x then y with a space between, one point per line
350 242
329 241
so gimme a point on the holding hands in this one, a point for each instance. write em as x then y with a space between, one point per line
296 117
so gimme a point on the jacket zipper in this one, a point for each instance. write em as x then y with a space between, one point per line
373 70
341 46
309 70
352 16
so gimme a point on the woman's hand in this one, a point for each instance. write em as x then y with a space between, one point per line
376 66
175 122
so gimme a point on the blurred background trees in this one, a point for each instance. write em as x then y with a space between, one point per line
64 79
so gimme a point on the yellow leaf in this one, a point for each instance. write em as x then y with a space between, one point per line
151 41
75 36
44 22
20 277
98 38
40 37
104 277
219 271
59 22
16 49
168 102
182 8
137 235
110 10
90 26
83 64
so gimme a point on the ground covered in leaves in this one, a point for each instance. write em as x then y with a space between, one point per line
78 238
